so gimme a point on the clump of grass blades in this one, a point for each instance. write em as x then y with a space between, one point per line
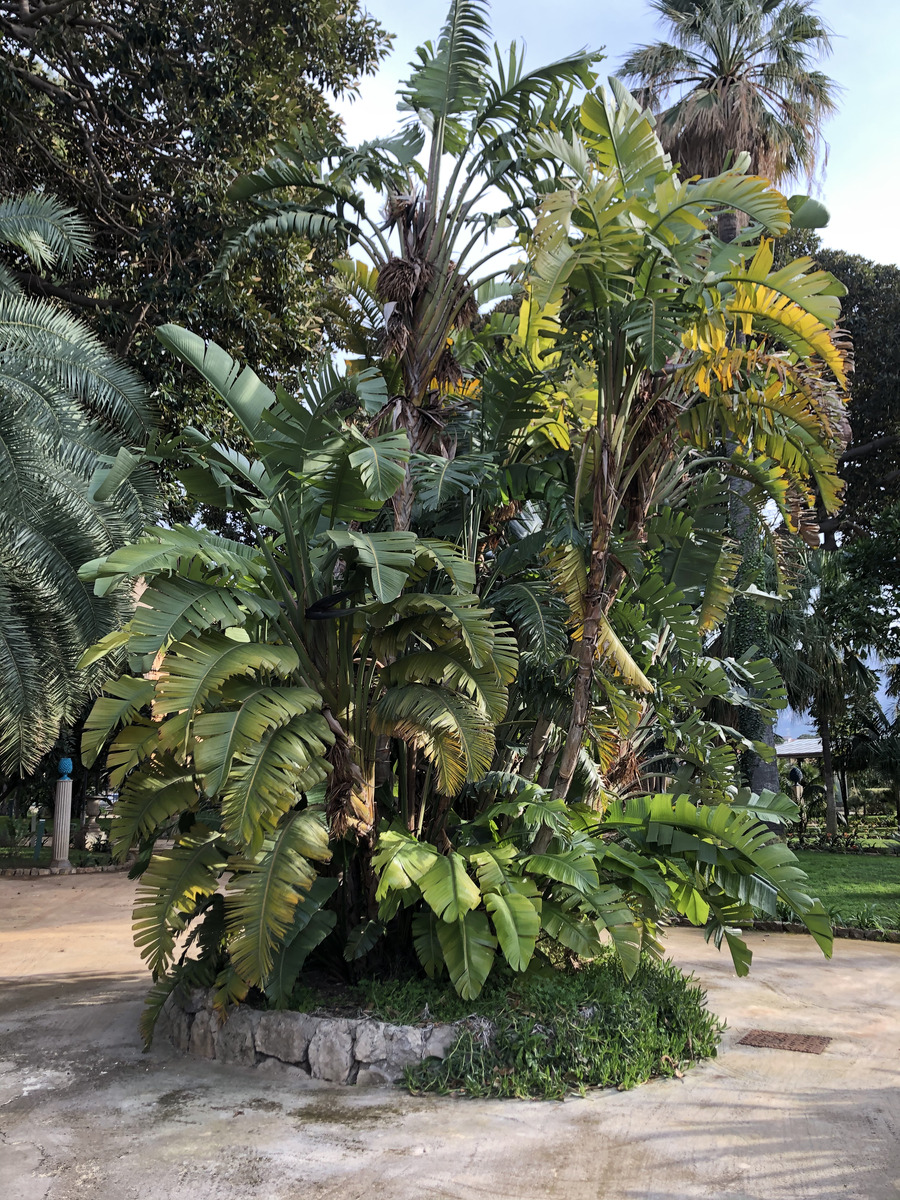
561 1031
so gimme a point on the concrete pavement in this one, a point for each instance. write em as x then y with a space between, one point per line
84 1115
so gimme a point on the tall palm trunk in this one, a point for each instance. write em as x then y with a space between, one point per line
828 777
537 746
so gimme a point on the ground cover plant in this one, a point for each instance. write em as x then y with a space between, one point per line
564 1031
459 695
561 1028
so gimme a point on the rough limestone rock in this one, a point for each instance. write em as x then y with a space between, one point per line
195 1000
203 1035
375 1075
179 1029
439 1041
331 1051
387 1049
296 1045
371 1043
235 1041
285 1035
404 1046
274 1068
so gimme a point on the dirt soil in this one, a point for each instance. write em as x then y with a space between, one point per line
84 1115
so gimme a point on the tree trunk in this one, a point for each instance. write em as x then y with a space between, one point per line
801 808
845 795
765 774
895 784
729 224
547 768
751 630
828 776
593 613
581 700
537 747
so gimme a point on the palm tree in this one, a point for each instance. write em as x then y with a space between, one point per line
325 702
738 76
71 422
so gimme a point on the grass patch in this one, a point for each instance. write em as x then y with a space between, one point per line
559 1031
850 884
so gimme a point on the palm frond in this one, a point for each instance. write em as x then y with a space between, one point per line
449 79
450 730
169 890
265 892
50 233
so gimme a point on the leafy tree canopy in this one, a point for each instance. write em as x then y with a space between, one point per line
136 113
870 316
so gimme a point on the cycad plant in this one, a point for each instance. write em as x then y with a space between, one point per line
72 422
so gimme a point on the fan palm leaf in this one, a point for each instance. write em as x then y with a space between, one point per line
738 75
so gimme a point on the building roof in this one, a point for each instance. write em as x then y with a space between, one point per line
808 747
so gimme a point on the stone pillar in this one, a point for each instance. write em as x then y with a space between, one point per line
62 818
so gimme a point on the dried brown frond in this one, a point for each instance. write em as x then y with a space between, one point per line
401 278
349 801
448 372
467 314
464 298
657 429
625 771
400 208
805 519
716 122
497 520
396 335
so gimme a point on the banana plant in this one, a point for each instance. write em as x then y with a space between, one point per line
689 344
272 681
456 174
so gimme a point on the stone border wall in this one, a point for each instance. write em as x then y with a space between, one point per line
839 931
23 872
343 1050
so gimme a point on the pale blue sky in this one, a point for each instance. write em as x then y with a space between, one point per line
862 177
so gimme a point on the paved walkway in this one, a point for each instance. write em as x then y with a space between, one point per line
85 1116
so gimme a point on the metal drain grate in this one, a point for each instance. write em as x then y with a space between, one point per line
770 1039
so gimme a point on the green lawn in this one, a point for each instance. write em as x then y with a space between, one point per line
23 856
849 882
